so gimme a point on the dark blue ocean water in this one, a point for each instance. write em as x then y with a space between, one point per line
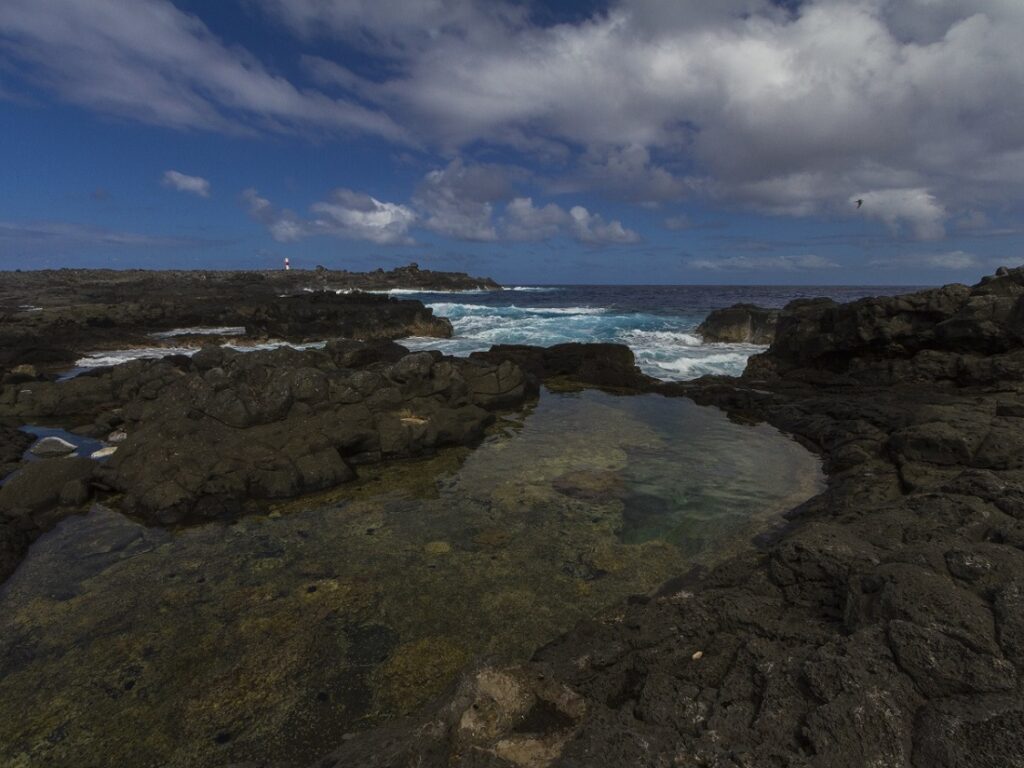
657 321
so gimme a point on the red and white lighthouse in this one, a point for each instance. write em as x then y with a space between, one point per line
287 264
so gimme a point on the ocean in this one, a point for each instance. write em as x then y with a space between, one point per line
656 321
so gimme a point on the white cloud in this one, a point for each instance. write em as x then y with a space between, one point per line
765 263
345 214
917 208
525 221
592 228
148 61
284 226
354 214
196 185
458 200
625 172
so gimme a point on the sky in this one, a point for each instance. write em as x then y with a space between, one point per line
597 141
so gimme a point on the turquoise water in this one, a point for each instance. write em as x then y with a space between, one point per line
657 322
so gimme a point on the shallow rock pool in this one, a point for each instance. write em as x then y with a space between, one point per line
273 637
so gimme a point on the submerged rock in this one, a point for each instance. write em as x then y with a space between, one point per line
52 446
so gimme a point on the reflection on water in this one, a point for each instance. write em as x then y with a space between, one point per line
273 637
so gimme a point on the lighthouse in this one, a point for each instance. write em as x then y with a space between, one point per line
287 264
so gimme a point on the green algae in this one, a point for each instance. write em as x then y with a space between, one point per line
273 637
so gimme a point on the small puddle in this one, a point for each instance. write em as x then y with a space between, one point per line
272 638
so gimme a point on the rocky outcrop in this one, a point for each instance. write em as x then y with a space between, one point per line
956 334
215 435
224 432
739 324
604 365
81 311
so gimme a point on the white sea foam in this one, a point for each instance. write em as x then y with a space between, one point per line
226 330
118 356
262 346
665 345
415 291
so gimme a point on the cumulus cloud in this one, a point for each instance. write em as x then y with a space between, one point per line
525 221
916 208
148 61
345 214
592 228
358 215
195 185
627 173
802 263
458 200
285 226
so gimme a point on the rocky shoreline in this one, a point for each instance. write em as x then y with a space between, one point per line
220 433
882 626
50 318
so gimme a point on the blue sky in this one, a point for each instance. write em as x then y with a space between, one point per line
641 141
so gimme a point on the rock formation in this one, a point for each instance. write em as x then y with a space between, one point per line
739 324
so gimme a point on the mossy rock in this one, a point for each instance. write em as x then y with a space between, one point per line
418 671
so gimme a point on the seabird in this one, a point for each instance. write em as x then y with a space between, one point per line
860 203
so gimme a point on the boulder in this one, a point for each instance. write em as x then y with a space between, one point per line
740 324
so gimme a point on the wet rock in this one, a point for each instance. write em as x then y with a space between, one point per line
739 324
39 484
603 365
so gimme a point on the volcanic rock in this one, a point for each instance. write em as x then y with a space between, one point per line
740 324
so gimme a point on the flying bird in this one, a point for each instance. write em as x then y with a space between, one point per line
860 202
